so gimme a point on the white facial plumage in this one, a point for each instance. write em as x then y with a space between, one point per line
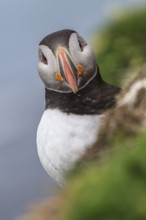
48 69
80 55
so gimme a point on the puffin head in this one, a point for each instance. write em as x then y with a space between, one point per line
66 62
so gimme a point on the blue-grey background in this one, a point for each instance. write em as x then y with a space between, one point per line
22 25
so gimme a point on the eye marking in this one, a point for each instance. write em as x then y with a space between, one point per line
44 59
82 43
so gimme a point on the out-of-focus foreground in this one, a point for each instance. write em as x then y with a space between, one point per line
111 185
120 47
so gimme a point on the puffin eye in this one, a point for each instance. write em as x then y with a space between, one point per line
44 59
82 43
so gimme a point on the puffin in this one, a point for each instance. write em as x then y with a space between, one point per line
76 98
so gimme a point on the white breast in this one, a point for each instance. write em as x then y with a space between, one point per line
63 138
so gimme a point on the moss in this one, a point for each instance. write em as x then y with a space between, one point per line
114 190
120 47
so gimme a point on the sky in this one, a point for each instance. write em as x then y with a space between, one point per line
23 24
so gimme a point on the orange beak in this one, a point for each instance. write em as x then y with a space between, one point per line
67 69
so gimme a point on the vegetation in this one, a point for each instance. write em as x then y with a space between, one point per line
115 189
121 46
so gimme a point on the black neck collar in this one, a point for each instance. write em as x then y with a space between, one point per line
95 98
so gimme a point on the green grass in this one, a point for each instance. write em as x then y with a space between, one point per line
121 46
115 189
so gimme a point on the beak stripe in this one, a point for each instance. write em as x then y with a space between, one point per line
74 69
68 69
